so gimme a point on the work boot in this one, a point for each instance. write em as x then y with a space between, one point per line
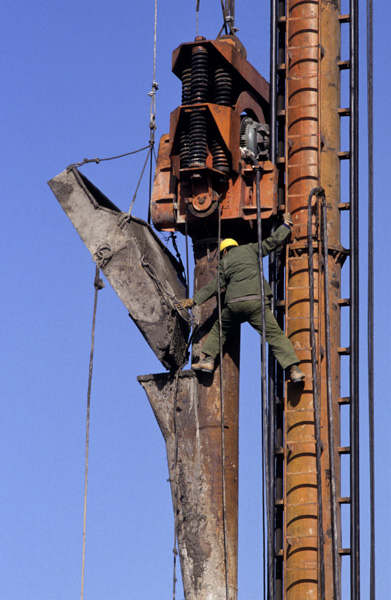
206 364
296 374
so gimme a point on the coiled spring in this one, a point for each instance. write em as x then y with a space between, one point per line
222 87
199 74
220 159
197 138
186 86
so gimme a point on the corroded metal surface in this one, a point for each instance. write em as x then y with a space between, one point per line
139 267
200 162
194 451
312 136
190 425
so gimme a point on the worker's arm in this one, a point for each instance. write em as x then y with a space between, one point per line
210 289
276 239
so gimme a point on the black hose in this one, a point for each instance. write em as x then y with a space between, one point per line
313 192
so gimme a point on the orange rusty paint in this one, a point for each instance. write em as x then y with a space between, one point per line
205 255
312 142
188 191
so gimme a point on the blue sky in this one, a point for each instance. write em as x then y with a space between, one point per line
76 78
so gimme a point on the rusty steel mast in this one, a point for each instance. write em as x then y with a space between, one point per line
205 187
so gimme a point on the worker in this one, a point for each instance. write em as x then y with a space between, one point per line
240 278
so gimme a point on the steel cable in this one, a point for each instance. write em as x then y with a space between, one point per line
272 273
354 305
265 429
371 393
175 482
98 285
316 397
85 161
222 406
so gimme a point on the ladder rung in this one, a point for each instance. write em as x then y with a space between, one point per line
281 113
344 400
279 553
344 301
281 67
344 500
344 112
281 160
344 351
344 449
279 450
344 551
343 155
344 18
281 20
279 502
344 206
343 64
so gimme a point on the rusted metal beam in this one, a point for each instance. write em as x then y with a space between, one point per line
312 160
143 273
190 425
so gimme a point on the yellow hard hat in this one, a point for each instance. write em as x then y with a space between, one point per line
228 243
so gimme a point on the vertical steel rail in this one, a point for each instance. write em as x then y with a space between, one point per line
333 486
354 308
222 404
370 325
280 294
265 429
272 282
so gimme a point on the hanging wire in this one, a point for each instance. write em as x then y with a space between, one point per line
155 86
175 486
124 218
222 404
313 192
99 160
228 8
98 285
187 254
354 284
371 393
265 435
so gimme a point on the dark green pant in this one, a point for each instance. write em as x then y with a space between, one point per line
250 311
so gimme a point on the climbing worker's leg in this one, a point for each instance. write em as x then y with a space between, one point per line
211 347
275 337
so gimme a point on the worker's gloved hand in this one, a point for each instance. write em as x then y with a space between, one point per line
187 303
287 219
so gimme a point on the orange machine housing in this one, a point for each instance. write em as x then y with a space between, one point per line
201 162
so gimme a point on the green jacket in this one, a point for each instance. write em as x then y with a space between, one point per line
239 270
